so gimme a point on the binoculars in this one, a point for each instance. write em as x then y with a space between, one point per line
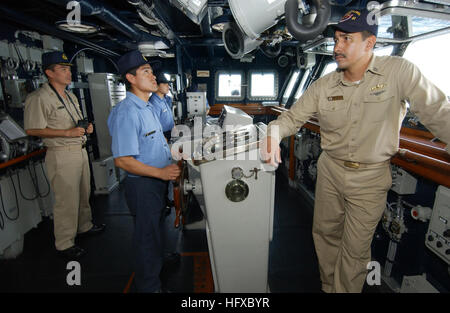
84 123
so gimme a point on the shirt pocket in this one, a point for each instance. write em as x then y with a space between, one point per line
377 106
333 114
59 118
148 143
150 135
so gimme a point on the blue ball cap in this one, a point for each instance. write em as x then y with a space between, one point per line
357 21
161 79
54 57
131 60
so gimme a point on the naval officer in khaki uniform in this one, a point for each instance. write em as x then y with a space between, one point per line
360 108
51 112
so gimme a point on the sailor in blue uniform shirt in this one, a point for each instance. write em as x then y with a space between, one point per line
136 131
162 105
139 148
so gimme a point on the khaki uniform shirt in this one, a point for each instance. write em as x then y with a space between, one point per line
43 109
361 122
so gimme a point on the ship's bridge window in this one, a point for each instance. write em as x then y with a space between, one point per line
431 56
330 67
263 85
229 85
302 84
290 86
384 50
167 76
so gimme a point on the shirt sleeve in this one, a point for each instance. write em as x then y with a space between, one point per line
35 113
289 122
124 130
427 101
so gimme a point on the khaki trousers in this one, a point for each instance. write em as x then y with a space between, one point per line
349 203
69 176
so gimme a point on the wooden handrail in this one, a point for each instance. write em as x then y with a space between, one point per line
420 155
410 155
417 153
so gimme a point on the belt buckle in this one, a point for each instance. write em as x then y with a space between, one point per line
350 164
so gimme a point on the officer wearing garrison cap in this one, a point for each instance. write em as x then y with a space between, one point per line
139 148
53 113
360 108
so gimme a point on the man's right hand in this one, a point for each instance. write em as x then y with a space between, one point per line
170 172
75 132
269 150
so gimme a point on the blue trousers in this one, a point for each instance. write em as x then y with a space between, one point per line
145 198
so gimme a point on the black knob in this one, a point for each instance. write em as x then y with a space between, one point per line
447 233
439 244
430 238
447 252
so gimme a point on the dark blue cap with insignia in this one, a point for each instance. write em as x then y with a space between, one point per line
357 21
54 57
130 60
161 79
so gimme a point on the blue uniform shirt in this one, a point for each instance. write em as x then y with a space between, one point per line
163 110
137 132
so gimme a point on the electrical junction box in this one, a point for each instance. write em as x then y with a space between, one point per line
104 175
403 183
196 103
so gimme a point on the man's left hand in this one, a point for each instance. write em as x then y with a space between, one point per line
90 129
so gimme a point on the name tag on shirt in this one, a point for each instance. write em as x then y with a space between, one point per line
335 98
378 87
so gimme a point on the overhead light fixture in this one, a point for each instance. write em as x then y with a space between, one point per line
153 49
194 9
79 28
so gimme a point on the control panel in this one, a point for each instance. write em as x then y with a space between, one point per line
403 183
196 103
438 235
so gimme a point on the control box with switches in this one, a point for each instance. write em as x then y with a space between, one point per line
438 235
196 103
403 183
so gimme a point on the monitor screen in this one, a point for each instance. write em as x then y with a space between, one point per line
11 130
